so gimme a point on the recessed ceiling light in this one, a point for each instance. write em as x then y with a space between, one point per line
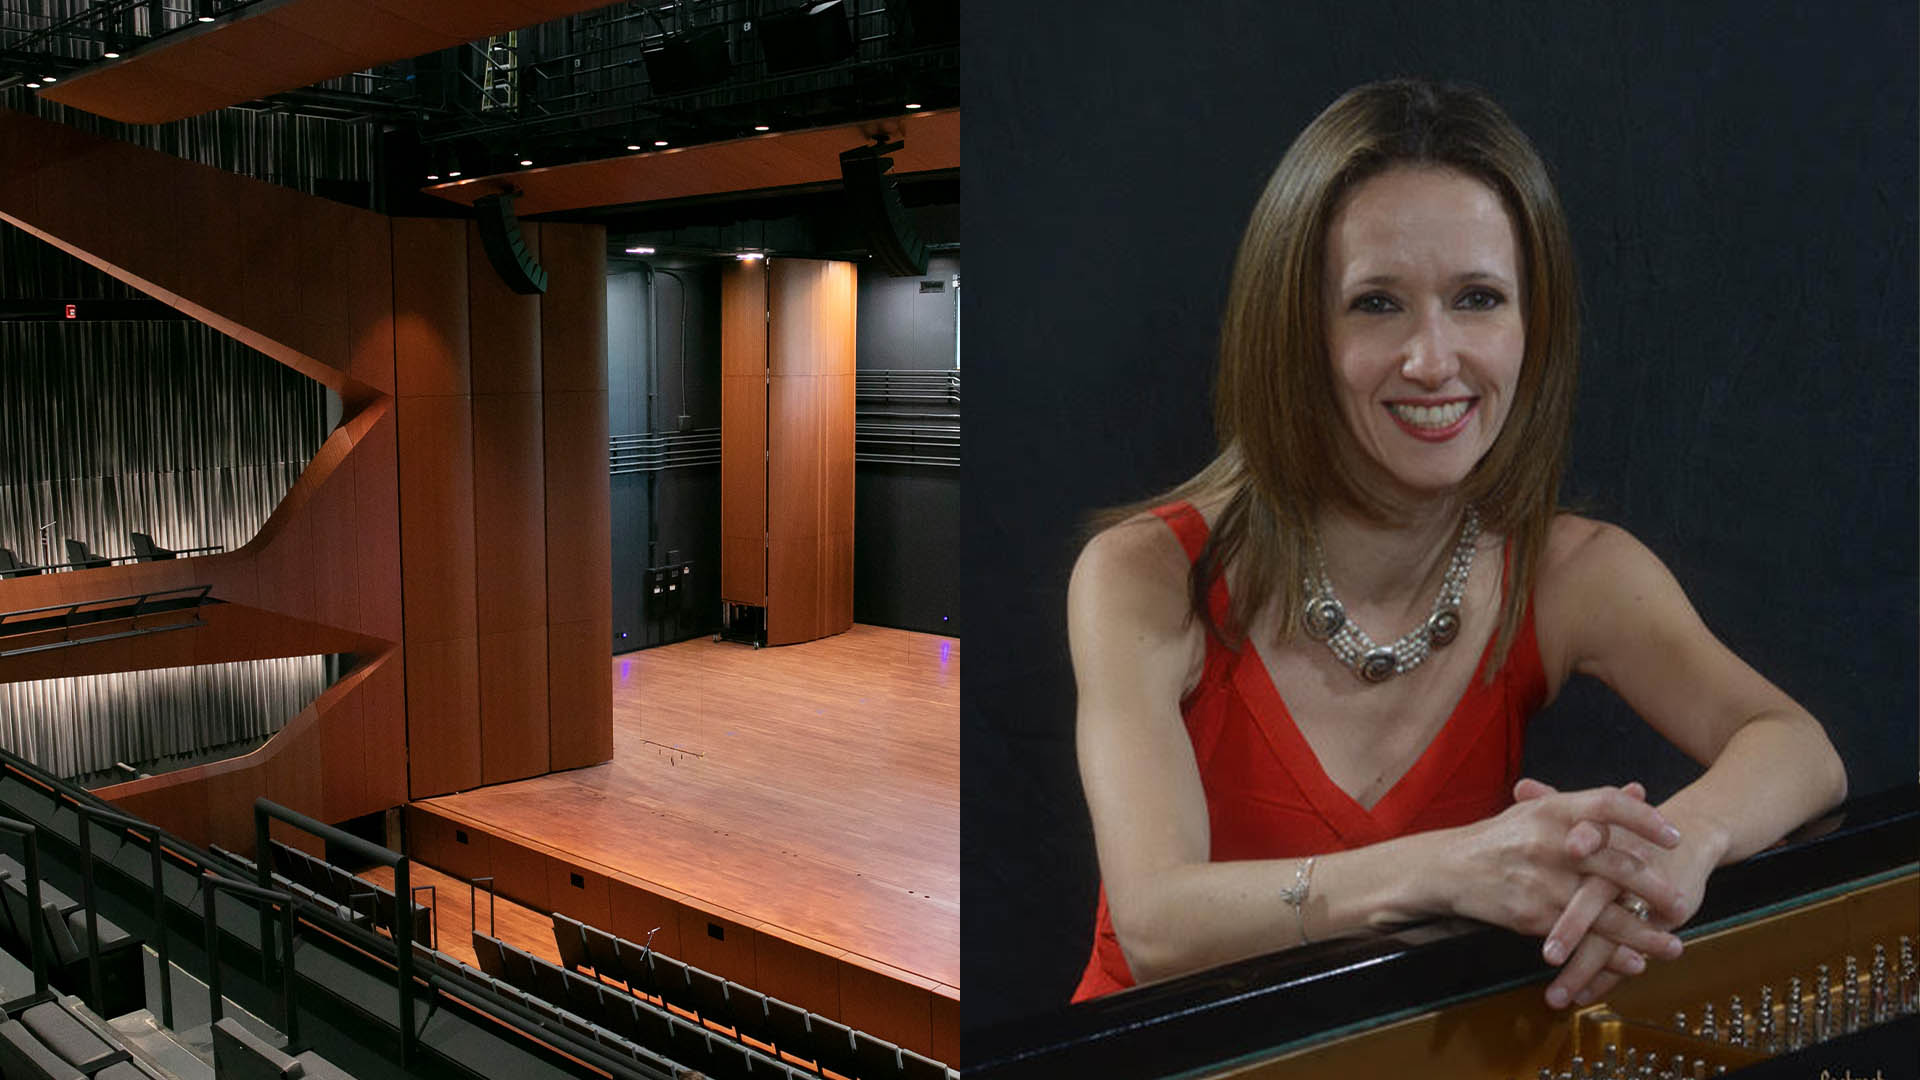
639 251
761 127
49 78
111 55
206 18
433 176
749 256
453 173
633 146
659 142
913 104
526 161
33 86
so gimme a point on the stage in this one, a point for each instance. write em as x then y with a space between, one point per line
787 817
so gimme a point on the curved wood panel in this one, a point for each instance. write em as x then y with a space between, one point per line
224 249
810 449
773 160
212 803
743 433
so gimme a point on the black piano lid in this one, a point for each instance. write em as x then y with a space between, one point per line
1259 1008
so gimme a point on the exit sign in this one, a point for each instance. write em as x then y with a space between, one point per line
73 311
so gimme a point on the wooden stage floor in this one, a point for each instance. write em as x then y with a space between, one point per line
813 787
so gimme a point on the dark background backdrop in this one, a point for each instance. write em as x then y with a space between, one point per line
1740 181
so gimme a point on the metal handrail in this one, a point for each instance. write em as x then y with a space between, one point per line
153 837
36 930
213 884
265 811
473 909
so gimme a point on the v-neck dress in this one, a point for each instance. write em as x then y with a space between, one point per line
1269 798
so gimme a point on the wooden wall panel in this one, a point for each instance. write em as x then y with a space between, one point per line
730 956
573 311
743 488
638 914
436 517
343 760
509 512
743 319
505 324
443 717
946 1027
384 726
579 515
431 336
521 874
743 433
369 240
376 521
881 999
334 565
513 704
586 901
810 450
797 970
579 693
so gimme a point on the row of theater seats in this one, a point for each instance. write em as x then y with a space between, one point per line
614 1042
750 1014
64 922
663 1034
55 1040
79 557
728 1004
345 890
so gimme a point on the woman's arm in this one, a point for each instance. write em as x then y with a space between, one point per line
1607 607
1136 653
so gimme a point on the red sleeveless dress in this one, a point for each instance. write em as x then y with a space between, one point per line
1267 797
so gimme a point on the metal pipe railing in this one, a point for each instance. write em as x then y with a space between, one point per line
213 883
36 930
266 811
473 909
153 837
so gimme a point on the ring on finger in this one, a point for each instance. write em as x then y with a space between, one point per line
1637 906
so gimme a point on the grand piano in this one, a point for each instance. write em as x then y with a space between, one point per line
1836 905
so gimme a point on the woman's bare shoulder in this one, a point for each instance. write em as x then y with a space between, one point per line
1579 547
1139 557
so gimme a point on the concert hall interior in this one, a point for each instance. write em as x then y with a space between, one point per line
499 455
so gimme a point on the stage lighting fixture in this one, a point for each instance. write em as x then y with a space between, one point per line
805 37
688 60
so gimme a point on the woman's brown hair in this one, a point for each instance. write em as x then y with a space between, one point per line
1274 408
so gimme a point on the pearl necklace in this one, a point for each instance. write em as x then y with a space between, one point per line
1326 620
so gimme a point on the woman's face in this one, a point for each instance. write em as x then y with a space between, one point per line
1423 325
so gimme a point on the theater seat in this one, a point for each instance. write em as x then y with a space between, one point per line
70 1037
22 1057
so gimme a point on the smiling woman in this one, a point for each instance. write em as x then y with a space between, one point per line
1397 365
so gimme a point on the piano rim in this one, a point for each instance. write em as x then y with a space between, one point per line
1267 1006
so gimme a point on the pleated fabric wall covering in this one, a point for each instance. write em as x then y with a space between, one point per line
72 727
166 428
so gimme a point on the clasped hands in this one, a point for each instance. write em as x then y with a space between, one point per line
1560 866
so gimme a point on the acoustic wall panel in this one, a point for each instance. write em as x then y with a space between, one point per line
443 716
436 517
811 320
513 704
579 513
743 433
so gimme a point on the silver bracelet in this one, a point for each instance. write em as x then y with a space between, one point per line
1296 897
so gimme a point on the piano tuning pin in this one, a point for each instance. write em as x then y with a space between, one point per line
1736 1022
1765 1035
1707 1029
1680 1023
